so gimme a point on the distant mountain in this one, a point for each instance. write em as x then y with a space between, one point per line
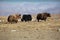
53 10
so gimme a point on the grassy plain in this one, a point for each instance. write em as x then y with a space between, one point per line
49 30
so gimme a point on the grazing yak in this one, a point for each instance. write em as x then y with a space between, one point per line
26 17
13 18
43 16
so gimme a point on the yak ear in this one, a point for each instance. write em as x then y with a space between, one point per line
19 14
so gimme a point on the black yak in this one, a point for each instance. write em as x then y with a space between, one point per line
43 16
26 17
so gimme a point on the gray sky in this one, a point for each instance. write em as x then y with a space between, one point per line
28 0
31 7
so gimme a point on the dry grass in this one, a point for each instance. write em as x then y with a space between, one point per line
49 30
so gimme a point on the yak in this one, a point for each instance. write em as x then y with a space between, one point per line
42 16
13 18
26 17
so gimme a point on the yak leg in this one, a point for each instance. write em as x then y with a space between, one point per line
38 20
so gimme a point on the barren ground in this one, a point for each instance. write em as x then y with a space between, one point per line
49 30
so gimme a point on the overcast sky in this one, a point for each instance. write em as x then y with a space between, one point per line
29 0
30 6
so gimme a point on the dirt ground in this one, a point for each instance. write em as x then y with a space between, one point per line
49 30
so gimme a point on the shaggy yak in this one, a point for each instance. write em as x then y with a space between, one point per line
42 16
26 17
13 18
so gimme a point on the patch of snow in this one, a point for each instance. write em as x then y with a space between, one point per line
19 19
13 30
59 30
0 20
